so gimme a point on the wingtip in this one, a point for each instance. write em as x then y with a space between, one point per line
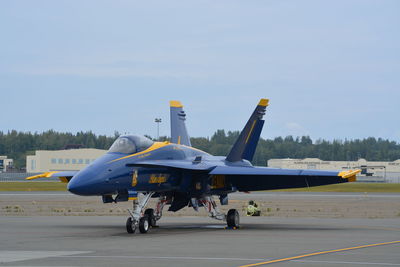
263 102
175 104
34 177
350 175
42 175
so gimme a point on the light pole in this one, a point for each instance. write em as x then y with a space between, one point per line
158 121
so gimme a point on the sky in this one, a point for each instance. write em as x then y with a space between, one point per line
331 69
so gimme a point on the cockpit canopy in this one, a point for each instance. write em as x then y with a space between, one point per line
129 144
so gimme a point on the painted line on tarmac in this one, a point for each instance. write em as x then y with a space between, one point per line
351 262
160 258
319 253
7 256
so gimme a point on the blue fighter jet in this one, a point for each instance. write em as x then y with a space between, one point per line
179 175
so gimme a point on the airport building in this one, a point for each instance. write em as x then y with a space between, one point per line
62 160
5 163
374 171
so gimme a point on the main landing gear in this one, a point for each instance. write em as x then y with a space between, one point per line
232 218
148 218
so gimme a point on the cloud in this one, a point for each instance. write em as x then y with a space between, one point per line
296 129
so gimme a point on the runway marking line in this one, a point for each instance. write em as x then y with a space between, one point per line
319 253
351 262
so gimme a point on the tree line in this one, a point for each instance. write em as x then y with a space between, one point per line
18 145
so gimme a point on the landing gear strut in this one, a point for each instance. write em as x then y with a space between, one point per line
138 218
148 218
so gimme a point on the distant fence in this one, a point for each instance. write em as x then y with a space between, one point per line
385 177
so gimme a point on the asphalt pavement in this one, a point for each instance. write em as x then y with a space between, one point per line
197 241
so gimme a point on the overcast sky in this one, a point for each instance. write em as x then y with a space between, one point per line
331 69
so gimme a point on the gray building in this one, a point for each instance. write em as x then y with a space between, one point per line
62 160
5 163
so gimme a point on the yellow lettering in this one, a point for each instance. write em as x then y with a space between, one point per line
158 178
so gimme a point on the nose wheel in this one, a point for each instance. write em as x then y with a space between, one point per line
151 217
130 225
138 218
144 224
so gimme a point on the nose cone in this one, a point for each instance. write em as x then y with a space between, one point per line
83 183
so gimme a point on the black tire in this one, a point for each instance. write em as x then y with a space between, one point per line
232 218
152 218
130 226
144 224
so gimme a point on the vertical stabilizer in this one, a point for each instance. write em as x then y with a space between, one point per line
179 133
245 145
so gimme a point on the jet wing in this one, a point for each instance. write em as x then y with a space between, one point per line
177 164
64 176
262 178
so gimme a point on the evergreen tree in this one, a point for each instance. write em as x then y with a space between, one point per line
17 145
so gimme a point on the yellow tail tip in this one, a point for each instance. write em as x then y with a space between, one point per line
263 102
175 104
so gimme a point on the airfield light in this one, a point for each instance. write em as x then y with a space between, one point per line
158 121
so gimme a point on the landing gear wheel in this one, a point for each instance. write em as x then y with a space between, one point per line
232 218
152 218
144 224
130 226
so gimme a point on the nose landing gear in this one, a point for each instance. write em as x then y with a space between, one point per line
147 219
138 218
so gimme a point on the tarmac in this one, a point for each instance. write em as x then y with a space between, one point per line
197 241
27 239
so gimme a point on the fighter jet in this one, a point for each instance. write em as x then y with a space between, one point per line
178 175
